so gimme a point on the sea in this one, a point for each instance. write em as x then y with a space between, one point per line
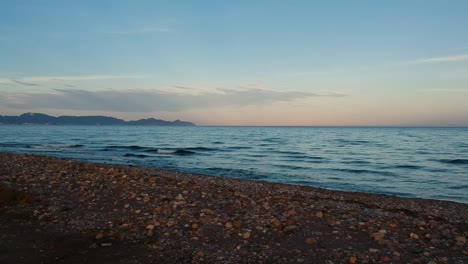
403 161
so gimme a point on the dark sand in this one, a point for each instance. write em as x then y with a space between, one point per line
62 211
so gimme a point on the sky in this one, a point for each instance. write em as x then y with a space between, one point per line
299 63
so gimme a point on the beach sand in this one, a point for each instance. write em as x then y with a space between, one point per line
61 211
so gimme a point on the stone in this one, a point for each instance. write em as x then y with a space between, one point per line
237 223
246 235
414 236
228 225
99 236
276 223
377 236
150 227
319 214
152 180
460 239
353 260
290 229
195 226
149 233
311 241
386 259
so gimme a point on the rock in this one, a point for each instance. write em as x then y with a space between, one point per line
414 236
195 226
311 241
237 223
149 233
137 211
180 197
276 223
106 244
150 227
319 214
353 260
207 211
386 259
125 226
126 205
152 180
200 254
378 236
331 223
460 239
228 225
99 236
290 229
246 235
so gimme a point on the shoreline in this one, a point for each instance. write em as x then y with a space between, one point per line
179 217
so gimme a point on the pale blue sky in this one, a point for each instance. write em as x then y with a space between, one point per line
238 62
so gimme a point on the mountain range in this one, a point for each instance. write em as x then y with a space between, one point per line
43 119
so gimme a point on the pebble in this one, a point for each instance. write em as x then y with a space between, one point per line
378 236
319 214
311 241
460 239
353 260
149 233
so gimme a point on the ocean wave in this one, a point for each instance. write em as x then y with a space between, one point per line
353 142
200 149
117 147
180 152
136 155
415 167
363 171
454 161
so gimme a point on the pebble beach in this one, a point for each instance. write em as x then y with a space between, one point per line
55 210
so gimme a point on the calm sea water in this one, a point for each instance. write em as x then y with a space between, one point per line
408 162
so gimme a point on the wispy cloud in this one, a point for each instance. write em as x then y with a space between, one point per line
35 80
24 83
152 100
454 58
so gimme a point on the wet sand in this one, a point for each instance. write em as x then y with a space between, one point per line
62 211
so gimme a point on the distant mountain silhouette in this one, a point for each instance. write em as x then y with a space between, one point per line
43 119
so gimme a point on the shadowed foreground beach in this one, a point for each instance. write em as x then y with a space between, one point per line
62 211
